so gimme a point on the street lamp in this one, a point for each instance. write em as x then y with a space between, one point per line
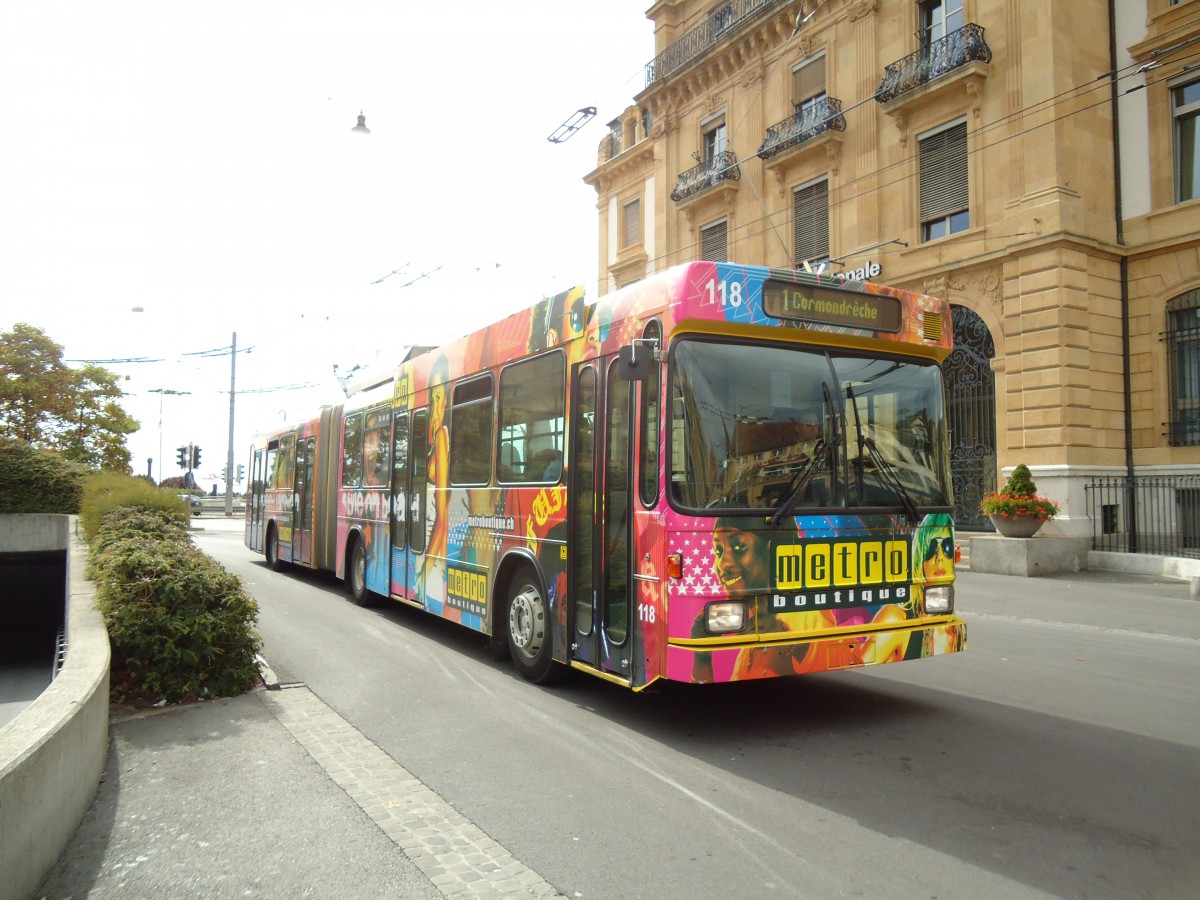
160 392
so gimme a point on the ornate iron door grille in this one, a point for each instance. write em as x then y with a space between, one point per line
971 387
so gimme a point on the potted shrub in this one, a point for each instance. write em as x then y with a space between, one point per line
1017 510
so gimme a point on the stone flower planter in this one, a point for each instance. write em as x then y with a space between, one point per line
1019 527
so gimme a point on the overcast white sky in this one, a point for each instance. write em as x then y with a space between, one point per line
195 159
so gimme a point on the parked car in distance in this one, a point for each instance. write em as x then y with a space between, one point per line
193 501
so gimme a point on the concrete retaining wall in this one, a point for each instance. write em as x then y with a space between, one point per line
53 753
1027 557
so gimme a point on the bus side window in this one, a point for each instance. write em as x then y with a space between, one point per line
650 429
532 414
377 448
286 460
471 432
352 446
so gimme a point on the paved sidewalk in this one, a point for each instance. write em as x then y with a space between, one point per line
272 795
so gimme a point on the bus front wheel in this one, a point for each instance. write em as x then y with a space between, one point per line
356 575
272 554
528 627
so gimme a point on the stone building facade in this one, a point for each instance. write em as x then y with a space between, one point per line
1035 162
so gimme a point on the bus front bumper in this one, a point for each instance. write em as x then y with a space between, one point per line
826 653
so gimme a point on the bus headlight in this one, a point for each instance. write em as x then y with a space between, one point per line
939 600
724 617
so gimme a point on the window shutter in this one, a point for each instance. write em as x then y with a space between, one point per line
808 80
633 223
714 244
943 161
810 215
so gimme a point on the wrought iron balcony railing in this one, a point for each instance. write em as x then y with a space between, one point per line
951 52
613 150
803 125
696 41
720 167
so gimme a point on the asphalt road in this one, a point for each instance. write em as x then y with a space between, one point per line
1058 756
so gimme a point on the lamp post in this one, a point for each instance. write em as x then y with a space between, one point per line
160 392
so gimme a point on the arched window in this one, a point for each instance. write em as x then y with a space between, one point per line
1183 362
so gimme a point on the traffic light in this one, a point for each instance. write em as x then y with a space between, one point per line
195 457
241 476
182 456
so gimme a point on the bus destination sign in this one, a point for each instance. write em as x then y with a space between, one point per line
823 306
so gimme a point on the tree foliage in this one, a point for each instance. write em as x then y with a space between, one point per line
52 406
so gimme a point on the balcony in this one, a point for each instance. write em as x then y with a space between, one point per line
805 124
715 170
694 43
954 51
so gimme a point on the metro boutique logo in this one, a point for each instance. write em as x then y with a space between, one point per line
841 574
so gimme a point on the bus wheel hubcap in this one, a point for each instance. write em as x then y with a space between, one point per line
527 622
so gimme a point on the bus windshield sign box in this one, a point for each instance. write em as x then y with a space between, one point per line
720 473
828 306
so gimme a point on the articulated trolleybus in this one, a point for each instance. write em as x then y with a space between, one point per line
720 473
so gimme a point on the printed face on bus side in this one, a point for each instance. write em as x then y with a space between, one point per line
741 559
938 561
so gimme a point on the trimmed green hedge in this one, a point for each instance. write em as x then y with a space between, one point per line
106 491
38 481
181 627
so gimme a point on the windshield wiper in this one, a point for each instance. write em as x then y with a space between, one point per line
801 480
889 474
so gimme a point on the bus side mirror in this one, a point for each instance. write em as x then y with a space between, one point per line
634 363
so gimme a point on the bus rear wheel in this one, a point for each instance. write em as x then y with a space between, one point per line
356 575
529 633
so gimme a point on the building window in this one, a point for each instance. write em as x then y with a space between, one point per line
714 242
808 84
1185 100
631 233
810 217
939 18
1183 358
945 196
713 137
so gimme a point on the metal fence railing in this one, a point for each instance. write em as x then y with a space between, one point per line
1157 514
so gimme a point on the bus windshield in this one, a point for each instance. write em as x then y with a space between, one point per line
775 428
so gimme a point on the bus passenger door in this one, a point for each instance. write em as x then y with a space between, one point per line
258 499
302 503
406 576
403 578
599 512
